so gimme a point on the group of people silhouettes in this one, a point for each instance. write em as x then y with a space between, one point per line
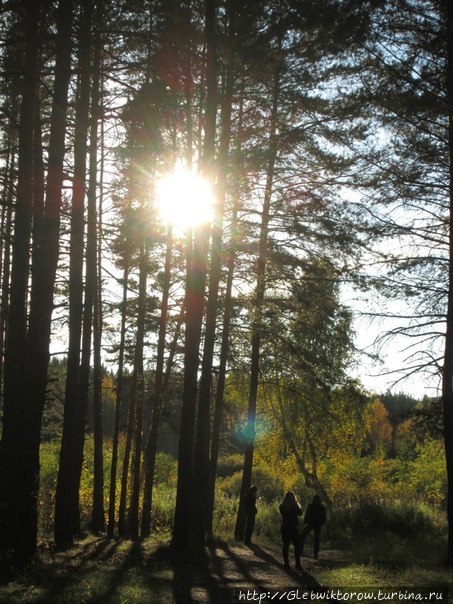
290 510
315 517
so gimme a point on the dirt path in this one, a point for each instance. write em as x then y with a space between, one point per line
102 571
238 573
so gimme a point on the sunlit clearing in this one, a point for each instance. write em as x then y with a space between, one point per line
184 198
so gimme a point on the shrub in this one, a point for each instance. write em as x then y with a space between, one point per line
166 469
385 528
164 499
225 510
228 465
268 521
48 459
400 519
426 475
270 487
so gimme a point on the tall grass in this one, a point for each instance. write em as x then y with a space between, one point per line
395 530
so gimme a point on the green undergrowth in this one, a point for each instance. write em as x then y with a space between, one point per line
388 542
99 570
95 570
359 576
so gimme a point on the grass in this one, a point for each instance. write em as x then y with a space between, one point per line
354 575
396 545
95 570
98 570
376 563
376 578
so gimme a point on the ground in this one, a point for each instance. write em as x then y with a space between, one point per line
241 572
102 571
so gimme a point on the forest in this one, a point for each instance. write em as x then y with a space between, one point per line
207 206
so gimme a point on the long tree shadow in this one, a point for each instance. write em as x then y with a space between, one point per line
111 569
305 578
103 571
222 555
216 575
246 569
213 547
76 557
132 558
193 577
62 577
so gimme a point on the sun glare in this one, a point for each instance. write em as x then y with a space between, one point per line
184 198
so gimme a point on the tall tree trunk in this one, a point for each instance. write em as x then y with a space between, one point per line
258 311
64 530
38 182
203 483
447 381
23 458
122 528
10 460
7 212
194 304
5 280
46 237
224 345
90 274
138 392
97 515
119 391
151 444
188 90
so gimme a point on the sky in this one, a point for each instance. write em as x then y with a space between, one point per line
380 376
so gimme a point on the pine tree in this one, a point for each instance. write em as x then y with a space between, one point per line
67 482
25 382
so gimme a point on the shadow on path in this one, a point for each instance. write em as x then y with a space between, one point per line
218 574
249 570
103 571
72 566
306 579
194 581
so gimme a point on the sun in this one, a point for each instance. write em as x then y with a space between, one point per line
184 199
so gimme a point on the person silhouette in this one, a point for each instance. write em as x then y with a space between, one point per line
250 513
314 518
290 511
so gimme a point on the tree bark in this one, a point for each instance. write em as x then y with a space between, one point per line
6 233
138 393
201 475
194 304
122 528
151 445
10 462
258 311
98 515
90 274
447 377
64 530
119 390
43 272
225 340
203 482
